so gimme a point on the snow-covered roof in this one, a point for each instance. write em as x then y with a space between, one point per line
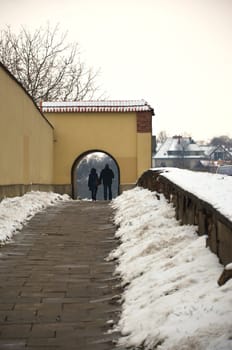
97 106
207 149
163 150
170 148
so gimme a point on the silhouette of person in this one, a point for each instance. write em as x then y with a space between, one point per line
106 176
93 183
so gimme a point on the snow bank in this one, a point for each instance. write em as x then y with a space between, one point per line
16 211
171 298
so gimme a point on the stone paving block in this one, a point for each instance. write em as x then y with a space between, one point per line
15 331
75 315
46 330
49 315
3 316
6 291
80 308
54 294
43 347
43 342
54 287
13 284
5 306
12 344
27 307
22 316
66 344
27 299
80 292
25 290
63 301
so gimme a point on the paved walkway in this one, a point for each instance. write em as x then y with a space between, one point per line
56 289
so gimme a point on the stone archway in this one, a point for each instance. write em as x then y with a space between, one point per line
81 168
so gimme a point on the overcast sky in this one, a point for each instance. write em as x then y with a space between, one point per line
175 54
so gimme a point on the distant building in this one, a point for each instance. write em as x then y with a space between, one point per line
181 152
217 153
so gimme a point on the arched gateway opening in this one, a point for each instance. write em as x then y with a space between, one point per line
81 168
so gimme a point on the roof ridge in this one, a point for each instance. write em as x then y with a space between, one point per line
94 102
97 106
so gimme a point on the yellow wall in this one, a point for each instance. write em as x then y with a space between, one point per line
26 138
113 133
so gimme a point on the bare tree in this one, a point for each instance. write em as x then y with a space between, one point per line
221 140
162 136
47 66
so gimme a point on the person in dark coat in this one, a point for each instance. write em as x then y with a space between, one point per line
106 176
93 183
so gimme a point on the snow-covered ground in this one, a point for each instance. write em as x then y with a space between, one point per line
16 211
171 300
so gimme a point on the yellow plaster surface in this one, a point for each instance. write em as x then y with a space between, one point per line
26 138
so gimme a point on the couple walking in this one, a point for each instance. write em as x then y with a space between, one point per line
106 176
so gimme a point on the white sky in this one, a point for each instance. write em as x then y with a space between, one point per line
176 54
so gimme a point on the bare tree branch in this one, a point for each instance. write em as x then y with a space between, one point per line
47 66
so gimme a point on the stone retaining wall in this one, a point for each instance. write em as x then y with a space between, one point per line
194 211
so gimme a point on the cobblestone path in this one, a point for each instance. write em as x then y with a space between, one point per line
56 290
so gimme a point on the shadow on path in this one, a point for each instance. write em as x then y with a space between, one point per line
57 291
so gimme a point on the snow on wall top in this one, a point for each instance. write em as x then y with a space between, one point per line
214 189
97 106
